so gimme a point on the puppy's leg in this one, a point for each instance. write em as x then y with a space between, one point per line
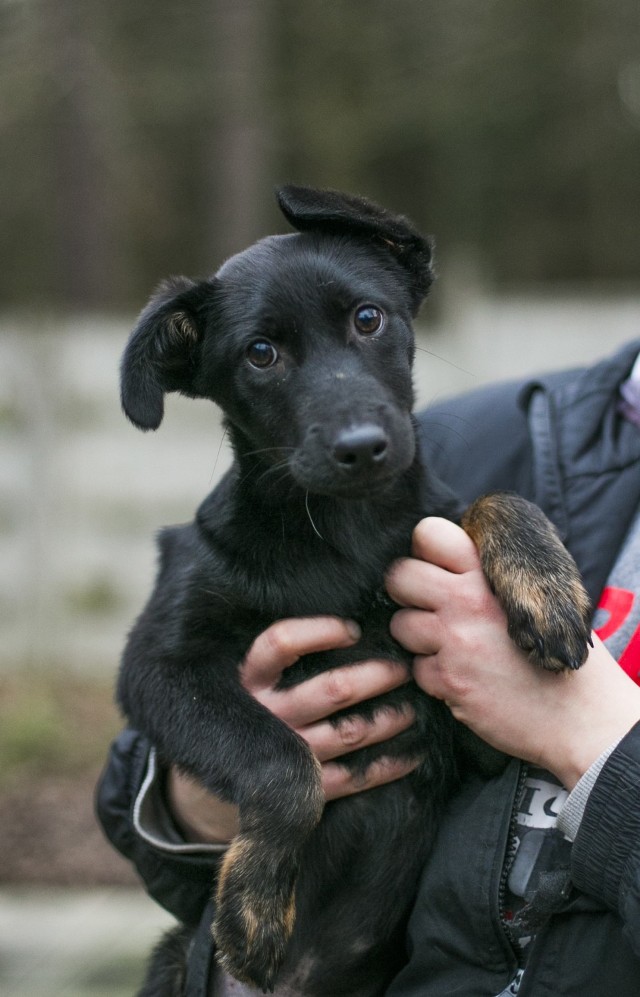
534 578
216 732
255 898
255 911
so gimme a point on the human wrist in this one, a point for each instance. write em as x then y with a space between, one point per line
601 704
573 755
201 817
572 810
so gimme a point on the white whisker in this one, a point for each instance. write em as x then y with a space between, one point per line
315 528
222 439
450 363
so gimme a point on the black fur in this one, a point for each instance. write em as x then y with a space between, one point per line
325 490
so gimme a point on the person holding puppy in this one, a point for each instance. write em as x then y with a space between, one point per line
533 885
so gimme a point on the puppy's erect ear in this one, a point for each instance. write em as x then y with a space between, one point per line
163 350
328 210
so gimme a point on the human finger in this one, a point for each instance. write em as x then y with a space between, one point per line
418 630
412 582
284 642
322 695
332 740
429 676
441 542
338 781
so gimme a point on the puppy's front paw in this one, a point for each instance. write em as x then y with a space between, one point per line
255 912
535 579
551 624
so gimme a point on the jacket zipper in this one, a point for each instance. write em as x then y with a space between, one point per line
508 861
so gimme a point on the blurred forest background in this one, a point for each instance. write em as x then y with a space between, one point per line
144 139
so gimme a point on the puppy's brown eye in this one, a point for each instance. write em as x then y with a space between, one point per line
368 319
261 354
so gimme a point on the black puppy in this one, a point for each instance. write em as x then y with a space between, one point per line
305 341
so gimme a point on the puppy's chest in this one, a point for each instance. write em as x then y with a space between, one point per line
275 561
309 580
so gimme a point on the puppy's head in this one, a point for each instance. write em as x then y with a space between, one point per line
304 340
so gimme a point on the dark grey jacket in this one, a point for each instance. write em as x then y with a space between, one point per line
559 441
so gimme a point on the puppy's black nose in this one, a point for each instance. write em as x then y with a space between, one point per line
361 446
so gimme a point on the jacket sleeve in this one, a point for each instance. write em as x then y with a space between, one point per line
606 852
181 882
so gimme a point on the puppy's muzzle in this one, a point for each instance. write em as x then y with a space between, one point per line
351 458
361 449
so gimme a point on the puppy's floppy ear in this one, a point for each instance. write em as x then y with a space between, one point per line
163 350
331 211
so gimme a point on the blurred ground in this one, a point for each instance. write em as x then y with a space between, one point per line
75 943
74 920
49 835
54 738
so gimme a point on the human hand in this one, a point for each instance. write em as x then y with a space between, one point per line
464 656
306 708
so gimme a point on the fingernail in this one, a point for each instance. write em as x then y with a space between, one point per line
353 628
